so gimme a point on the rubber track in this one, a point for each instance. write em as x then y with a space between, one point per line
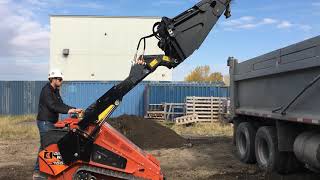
107 172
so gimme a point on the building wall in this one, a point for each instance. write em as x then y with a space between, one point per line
101 48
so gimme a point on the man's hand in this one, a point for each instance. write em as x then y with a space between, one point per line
140 61
79 110
72 111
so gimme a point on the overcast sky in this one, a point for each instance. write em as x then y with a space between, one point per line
256 27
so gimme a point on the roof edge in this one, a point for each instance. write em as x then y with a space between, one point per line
100 16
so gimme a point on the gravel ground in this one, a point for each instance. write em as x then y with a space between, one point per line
181 158
208 159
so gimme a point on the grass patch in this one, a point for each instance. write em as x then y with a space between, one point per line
18 127
203 129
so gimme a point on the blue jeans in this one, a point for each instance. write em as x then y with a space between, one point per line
44 127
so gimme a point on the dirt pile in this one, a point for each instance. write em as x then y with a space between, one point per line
147 134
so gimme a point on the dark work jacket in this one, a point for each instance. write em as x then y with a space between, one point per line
51 104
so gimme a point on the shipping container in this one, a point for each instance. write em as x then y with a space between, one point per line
82 94
21 97
176 92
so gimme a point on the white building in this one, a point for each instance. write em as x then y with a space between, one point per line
95 48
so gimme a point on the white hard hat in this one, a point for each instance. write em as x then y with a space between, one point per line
56 73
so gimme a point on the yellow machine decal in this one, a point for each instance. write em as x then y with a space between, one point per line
153 62
105 113
166 58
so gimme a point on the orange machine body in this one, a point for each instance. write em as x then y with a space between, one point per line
139 163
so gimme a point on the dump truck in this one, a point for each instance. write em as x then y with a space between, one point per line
275 108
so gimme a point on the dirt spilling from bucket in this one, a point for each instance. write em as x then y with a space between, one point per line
147 134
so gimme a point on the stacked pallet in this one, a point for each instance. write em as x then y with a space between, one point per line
207 109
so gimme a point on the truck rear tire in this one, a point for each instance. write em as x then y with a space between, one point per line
245 140
266 148
267 153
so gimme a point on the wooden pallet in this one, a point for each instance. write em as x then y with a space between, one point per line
207 109
173 110
154 115
155 111
188 119
165 111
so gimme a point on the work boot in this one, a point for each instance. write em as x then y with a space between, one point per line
37 175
